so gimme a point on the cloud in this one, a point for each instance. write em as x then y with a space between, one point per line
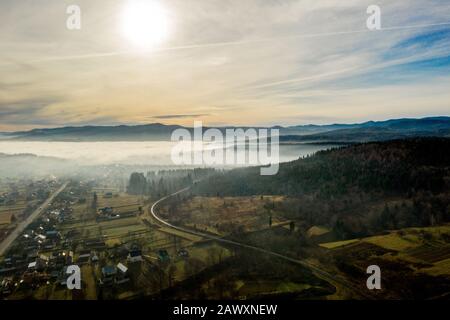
26 111
180 116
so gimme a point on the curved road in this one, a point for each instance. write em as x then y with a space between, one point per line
322 273
6 243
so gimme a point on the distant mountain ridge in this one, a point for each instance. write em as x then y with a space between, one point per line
98 133
379 131
358 132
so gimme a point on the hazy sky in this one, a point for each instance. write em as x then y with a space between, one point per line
243 62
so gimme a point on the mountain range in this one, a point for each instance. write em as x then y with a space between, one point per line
340 133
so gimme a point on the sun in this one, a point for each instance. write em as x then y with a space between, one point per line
145 23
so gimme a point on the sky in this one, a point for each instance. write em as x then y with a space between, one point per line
224 62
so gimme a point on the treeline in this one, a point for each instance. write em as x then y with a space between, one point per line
355 190
161 183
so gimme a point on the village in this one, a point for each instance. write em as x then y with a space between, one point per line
122 254
19 198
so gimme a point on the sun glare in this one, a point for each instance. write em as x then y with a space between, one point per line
145 23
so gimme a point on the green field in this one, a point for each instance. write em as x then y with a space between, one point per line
338 244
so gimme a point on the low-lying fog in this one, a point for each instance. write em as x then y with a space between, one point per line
152 153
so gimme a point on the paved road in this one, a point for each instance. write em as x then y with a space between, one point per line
6 243
322 273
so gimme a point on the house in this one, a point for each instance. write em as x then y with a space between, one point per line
37 265
108 275
122 268
32 265
6 287
8 262
95 244
163 255
135 255
26 236
106 210
53 235
58 259
43 257
122 252
183 253
55 212
40 238
73 233
48 245
94 258
84 258
122 274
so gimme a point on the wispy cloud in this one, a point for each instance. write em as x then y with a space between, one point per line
24 111
180 116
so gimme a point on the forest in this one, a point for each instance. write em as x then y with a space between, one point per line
357 190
